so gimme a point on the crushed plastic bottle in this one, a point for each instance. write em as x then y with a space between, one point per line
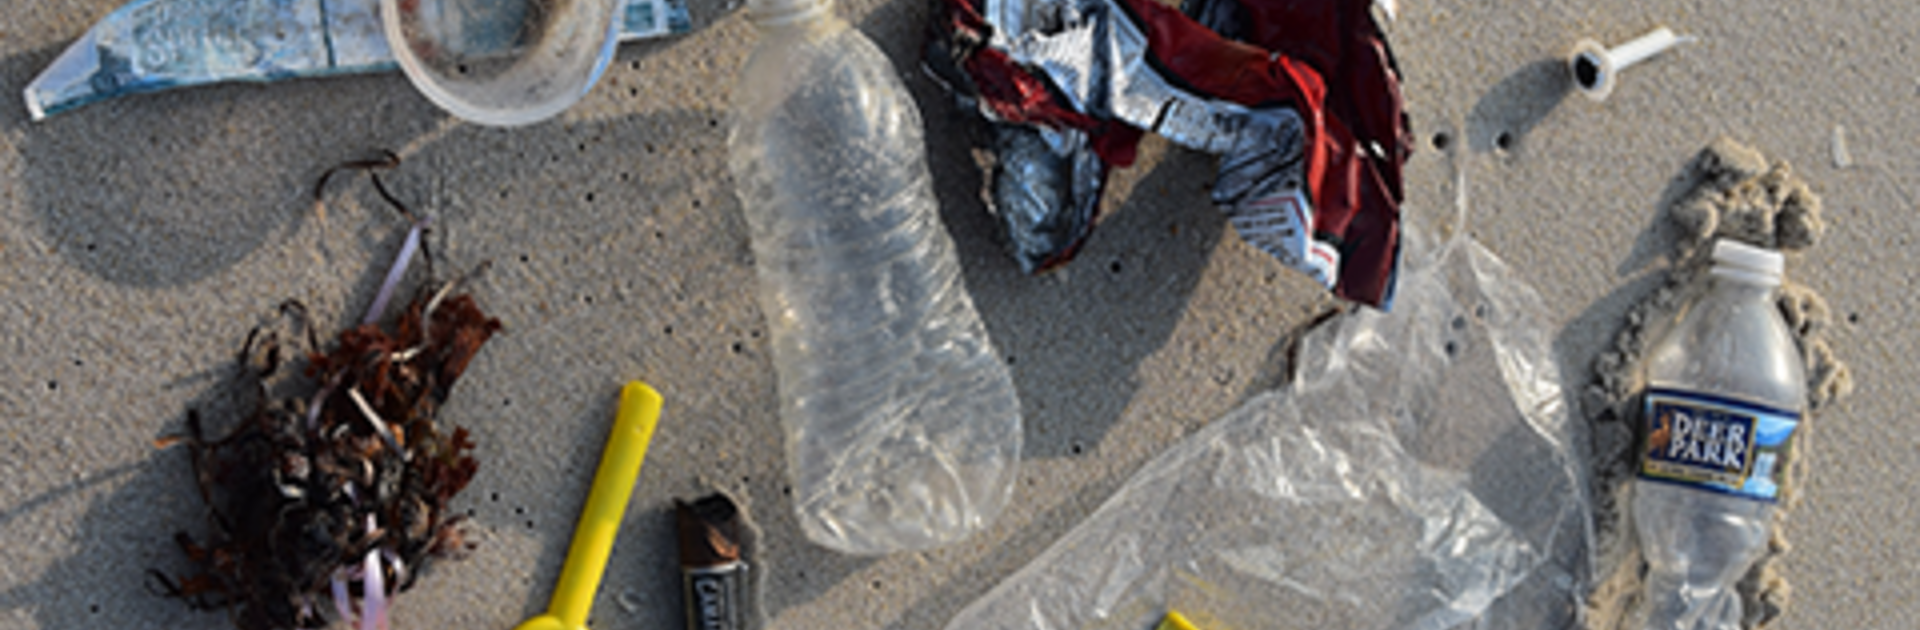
1725 389
902 425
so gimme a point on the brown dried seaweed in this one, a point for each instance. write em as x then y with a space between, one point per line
340 493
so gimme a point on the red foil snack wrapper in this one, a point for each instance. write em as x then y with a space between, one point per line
1299 98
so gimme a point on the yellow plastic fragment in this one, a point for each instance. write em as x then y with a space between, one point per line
1176 621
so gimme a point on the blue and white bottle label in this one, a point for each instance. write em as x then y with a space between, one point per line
1715 444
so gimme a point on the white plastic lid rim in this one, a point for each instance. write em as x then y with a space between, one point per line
523 77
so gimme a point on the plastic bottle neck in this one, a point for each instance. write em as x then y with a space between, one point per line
1742 286
768 14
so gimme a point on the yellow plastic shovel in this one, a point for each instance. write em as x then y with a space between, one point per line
606 505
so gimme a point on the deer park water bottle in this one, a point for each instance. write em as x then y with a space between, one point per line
1725 387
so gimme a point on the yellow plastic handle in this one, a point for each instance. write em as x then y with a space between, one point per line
1176 621
606 505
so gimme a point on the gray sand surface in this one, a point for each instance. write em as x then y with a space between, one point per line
140 239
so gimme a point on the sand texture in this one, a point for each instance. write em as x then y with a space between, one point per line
140 239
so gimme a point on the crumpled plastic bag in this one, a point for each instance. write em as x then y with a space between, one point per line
1299 98
154 45
1422 471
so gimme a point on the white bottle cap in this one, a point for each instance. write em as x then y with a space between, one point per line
1734 256
776 12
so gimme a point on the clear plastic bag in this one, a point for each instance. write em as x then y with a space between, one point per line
1421 471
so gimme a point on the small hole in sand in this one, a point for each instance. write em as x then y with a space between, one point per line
737 348
1853 318
1114 266
1076 448
1441 141
1503 141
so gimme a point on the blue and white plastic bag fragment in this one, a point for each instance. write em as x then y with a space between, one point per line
152 45
1421 472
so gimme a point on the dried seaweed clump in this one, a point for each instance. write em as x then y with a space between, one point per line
339 493
1736 194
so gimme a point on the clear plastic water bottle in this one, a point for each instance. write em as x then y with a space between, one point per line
1725 388
903 429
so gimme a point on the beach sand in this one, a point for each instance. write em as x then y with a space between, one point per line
140 239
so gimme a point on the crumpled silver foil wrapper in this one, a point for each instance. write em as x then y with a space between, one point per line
1098 58
1046 191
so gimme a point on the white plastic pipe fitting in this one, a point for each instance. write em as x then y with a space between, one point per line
1594 66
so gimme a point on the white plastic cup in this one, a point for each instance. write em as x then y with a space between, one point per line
503 62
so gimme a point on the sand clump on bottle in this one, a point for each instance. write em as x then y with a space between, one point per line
1735 192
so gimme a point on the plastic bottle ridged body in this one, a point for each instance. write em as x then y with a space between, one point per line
1731 343
902 423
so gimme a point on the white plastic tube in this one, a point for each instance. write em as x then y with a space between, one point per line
1594 66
